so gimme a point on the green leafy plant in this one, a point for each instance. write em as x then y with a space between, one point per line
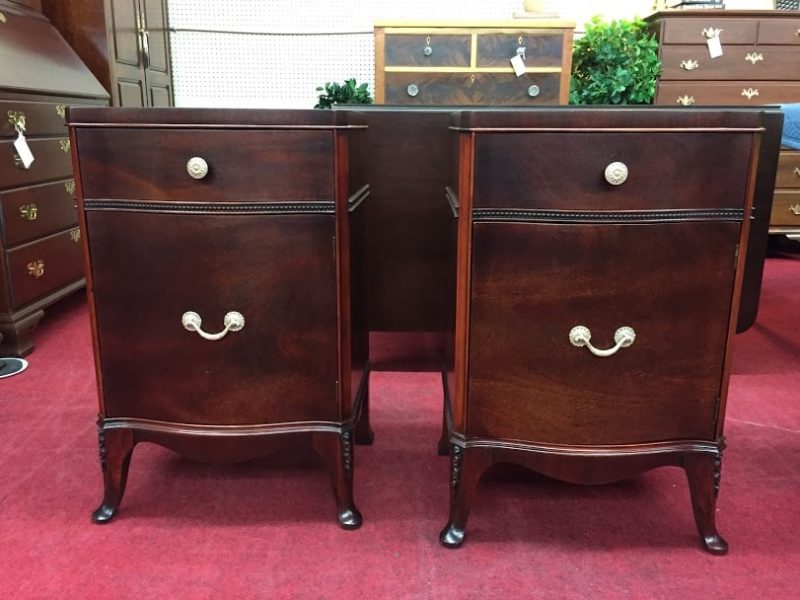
614 63
347 93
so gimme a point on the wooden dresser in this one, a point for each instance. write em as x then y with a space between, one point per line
125 43
41 261
596 294
760 64
462 63
225 284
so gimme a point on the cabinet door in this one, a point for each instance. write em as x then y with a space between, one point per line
532 283
278 271
156 52
128 81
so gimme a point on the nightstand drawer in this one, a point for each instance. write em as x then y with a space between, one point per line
744 93
785 209
788 170
738 62
472 88
39 268
554 171
52 160
531 284
779 31
240 165
40 118
36 211
542 48
428 50
694 31
277 271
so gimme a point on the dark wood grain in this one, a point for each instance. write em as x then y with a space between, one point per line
472 88
542 48
445 50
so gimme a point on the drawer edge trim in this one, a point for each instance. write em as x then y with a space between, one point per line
282 208
550 216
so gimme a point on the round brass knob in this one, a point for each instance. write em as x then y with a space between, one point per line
534 91
197 167
412 90
616 173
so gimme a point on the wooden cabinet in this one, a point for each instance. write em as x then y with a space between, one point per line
124 42
462 63
41 261
597 289
785 217
758 65
193 226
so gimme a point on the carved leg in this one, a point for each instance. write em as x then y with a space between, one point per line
444 441
337 452
116 446
364 434
466 467
703 473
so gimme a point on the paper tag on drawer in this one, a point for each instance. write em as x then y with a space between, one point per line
23 150
714 46
519 65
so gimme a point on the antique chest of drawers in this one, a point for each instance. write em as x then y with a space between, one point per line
785 216
225 284
760 64
40 258
468 63
597 288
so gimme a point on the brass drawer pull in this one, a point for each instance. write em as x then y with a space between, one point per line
29 212
17 119
534 90
197 167
412 90
795 209
61 111
754 57
36 268
616 173
3 19
75 234
233 321
749 93
64 145
427 50
685 100
796 171
689 65
69 186
710 32
579 336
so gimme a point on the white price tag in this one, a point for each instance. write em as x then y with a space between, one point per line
23 150
519 65
714 46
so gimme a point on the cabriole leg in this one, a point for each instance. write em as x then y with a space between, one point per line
337 452
703 472
116 446
466 468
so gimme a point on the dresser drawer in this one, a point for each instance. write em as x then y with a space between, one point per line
36 211
42 267
40 118
779 31
542 48
738 62
280 274
745 93
243 165
785 209
427 50
532 283
554 171
693 31
472 88
788 170
52 160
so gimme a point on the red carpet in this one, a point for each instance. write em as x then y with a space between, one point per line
266 529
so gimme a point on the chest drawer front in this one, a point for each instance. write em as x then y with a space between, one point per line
785 209
428 50
788 170
542 49
40 118
472 88
278 271
779 31
565 172
242 164
692 31
52 160
42 267
36 211
743 93
738 62
671 283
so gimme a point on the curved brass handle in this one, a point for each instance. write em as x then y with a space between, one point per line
685 100
233 321
64 145
795 209
3 19
616 173
754 57
711 32
579 336
689 65
36 268
196 167
61 110
749 93
17 119
29 212
796 171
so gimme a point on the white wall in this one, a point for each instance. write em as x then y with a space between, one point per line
249 53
